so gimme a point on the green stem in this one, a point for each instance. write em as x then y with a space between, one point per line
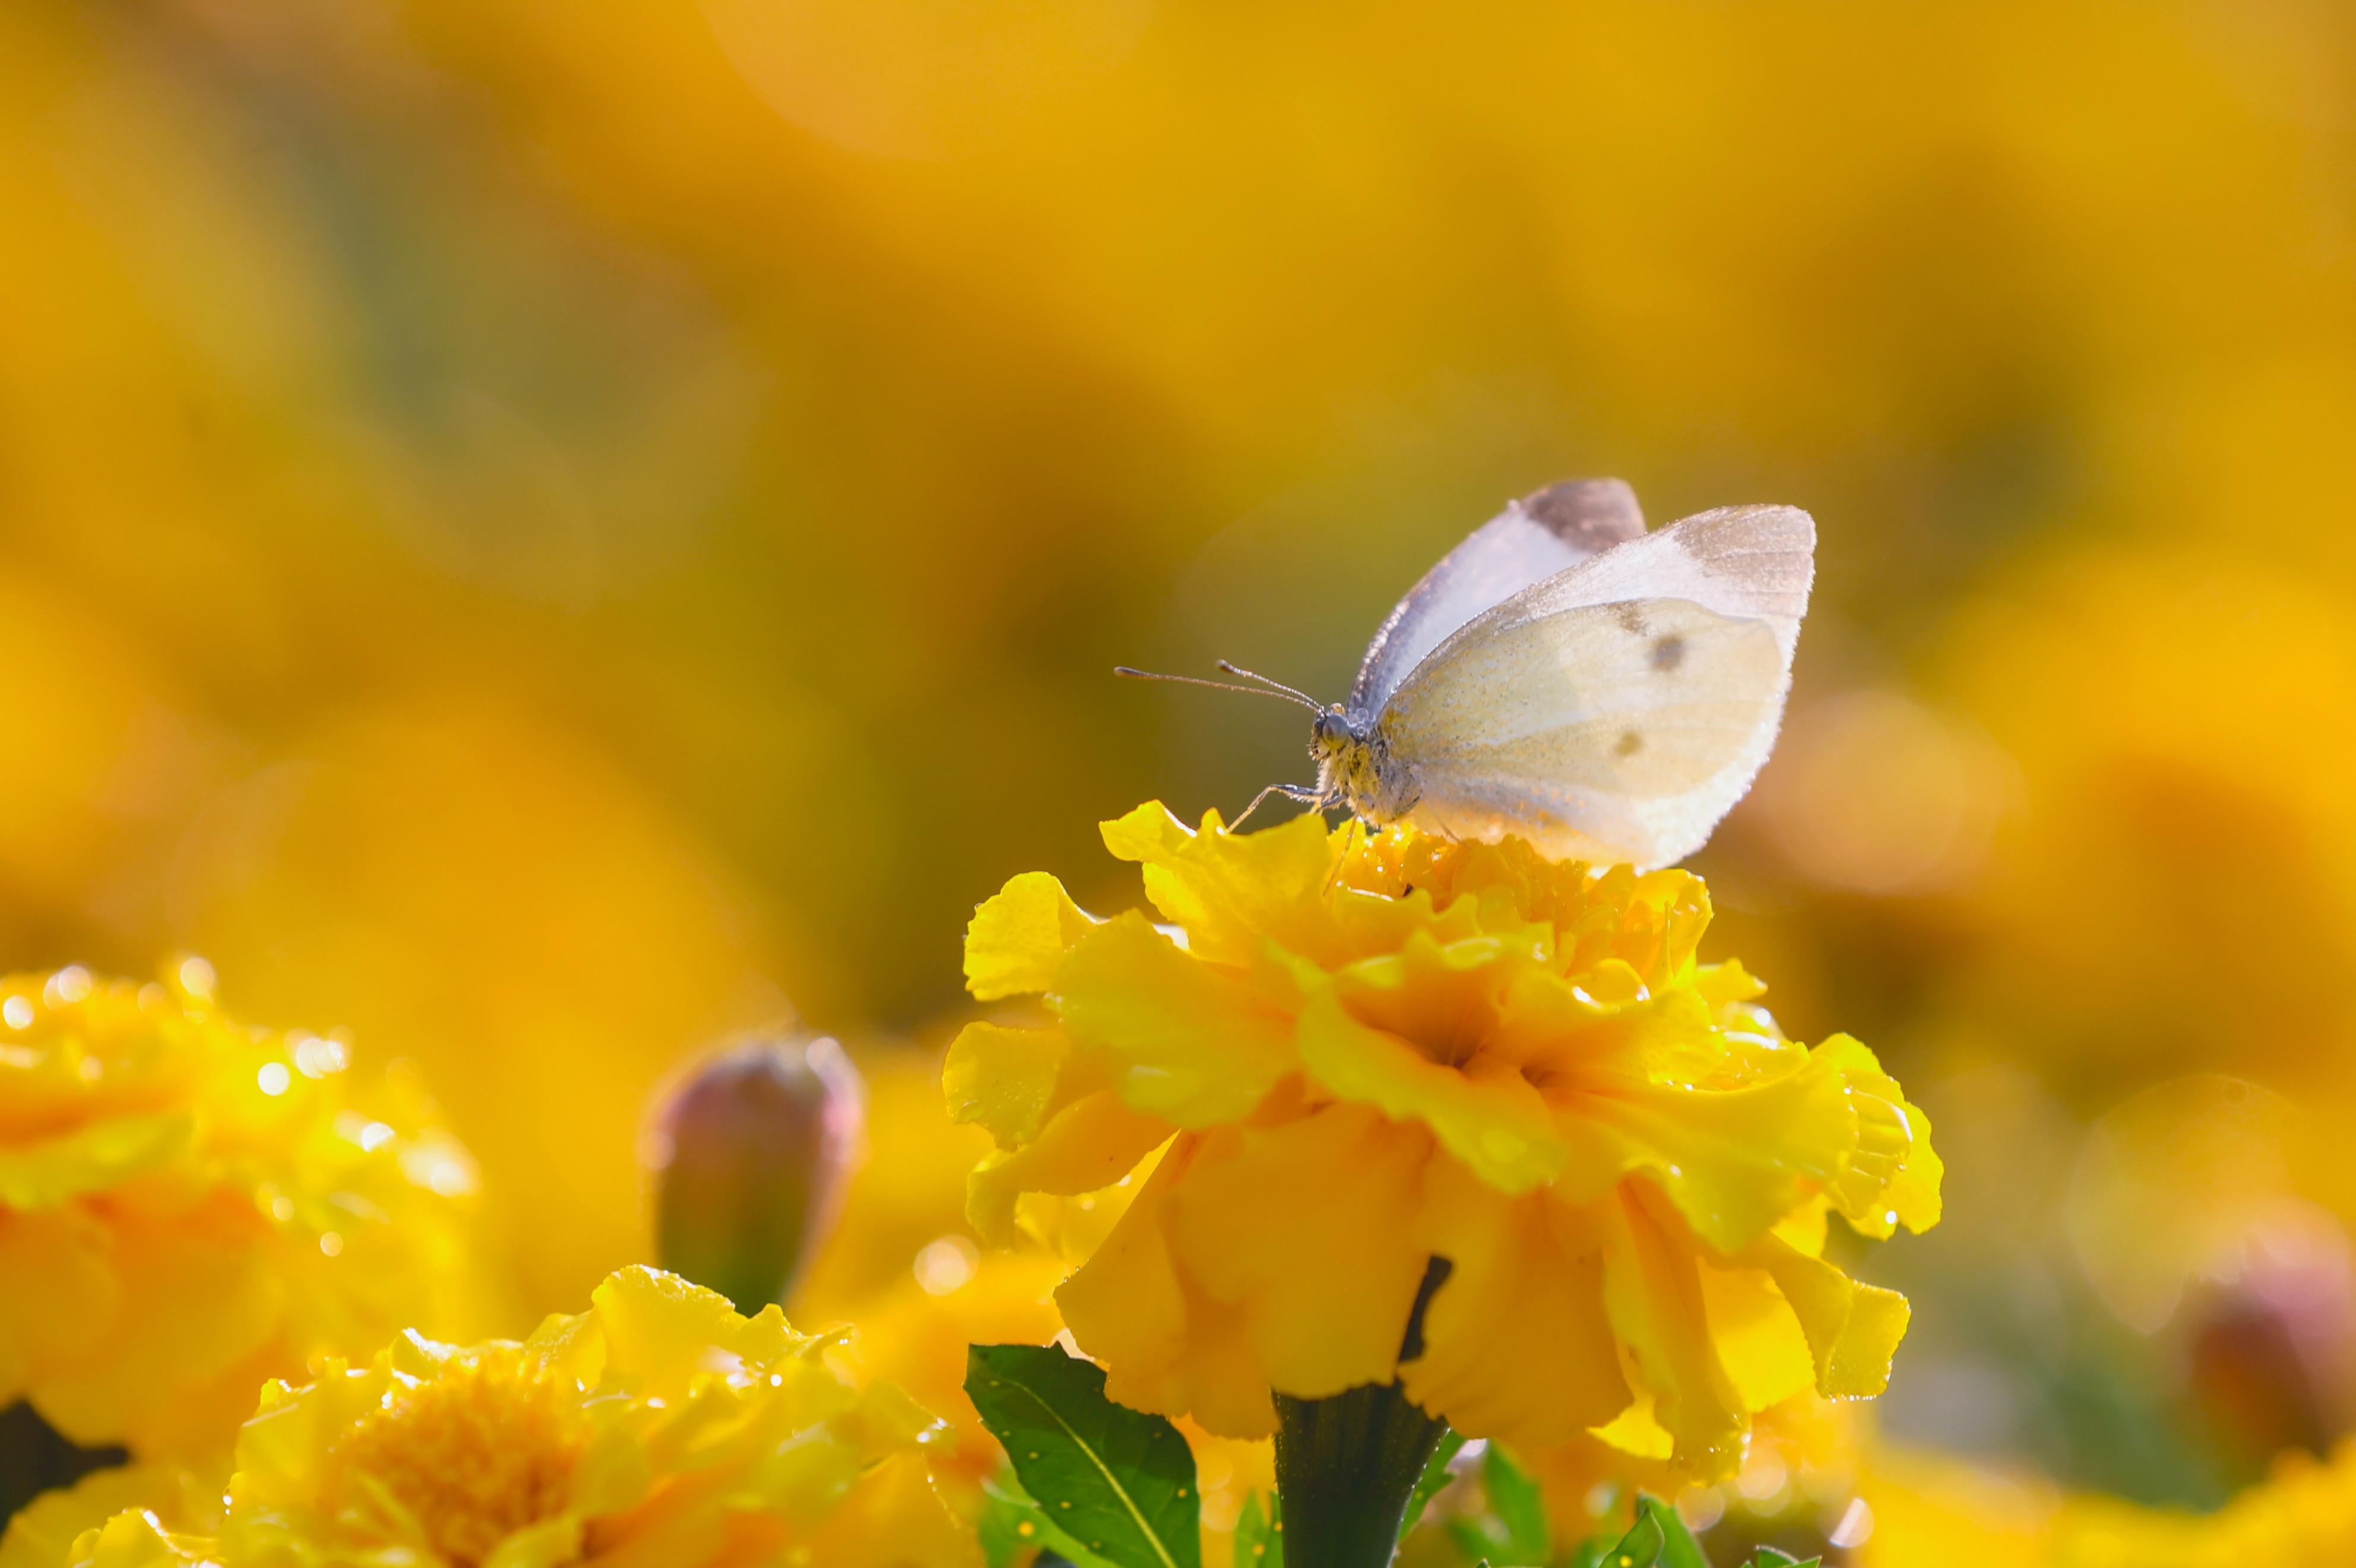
1345 1465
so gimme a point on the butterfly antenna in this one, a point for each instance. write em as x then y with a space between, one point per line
1286 692
1250 675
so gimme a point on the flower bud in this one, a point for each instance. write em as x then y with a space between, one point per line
750 1158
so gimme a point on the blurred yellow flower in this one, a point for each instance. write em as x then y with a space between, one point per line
1378 1048
2188 779
659 1428
1932 1511
206 1206
42 1534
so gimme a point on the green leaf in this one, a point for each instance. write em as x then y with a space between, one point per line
1659 1541
1000 1529
1520 1507
1776 1557
1007 1527
1473 1538
1512 1530
1012 1525
1119 1482
1260 1534
1436 1474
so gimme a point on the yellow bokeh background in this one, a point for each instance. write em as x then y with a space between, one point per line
548 534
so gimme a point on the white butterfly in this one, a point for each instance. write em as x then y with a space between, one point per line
1566 678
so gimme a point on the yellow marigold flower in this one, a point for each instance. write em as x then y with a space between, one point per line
1376 1048
43 1532
1932 1511
203 1206
660 1429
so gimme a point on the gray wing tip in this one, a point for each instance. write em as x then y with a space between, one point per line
1587 514
1757 527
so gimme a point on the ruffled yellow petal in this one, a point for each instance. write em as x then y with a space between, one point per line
227 1295
1723 985
1327 1276
1733 1161
1230 891
1167 1346
1891 1176
1652 1290
1853 1329
1637 1433
134 1540
1015 938
1517 1343
659 1329
64 1324
1189 1042
1004 1079
1493 1120
1759 1340
1089 1144
92 1159
890 1519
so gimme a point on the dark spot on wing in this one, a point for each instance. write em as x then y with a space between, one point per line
1631 617
1668 653
1630 743
1587 514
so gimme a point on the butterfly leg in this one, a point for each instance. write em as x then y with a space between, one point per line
1301 792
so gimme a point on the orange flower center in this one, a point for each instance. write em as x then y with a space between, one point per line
474 1455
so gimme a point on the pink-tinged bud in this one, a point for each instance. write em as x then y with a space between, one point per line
750 1157
2268 1357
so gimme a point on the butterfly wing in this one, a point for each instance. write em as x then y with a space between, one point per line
1616 711
1534 538
1749 562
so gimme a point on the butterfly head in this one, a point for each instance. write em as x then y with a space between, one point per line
1332 734
1352 765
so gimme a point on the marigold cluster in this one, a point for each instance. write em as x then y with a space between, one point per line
660 1429
205 1206
1367 1051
